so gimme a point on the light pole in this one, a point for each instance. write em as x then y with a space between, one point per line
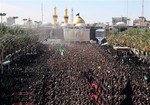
24 20
15 17
37 23
29 22
2 14
128 21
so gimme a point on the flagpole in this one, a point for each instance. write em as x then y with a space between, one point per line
128 19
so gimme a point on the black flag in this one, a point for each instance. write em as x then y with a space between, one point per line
127 101
148 80
127 90
77 14
89 76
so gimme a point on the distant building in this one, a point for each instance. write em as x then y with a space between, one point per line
141 22
119 19
10 21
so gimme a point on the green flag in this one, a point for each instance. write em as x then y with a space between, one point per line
61 49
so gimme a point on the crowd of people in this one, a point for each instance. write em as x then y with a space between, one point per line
56 79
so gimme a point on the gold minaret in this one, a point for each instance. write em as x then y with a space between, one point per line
55 16
66 16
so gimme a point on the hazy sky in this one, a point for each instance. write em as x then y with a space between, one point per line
90 10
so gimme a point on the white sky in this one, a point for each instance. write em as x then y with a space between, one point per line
90 10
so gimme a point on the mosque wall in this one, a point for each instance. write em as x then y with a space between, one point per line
76 34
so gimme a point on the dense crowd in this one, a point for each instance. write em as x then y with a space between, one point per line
56 79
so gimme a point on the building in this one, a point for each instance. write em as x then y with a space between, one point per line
10 21
141 22
119 19
78 32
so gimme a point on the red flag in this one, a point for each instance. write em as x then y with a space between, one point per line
95 97
94 86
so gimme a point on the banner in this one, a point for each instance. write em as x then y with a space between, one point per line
77 34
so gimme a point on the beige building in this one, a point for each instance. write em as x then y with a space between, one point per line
141 22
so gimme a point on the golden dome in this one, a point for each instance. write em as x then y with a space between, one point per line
78 20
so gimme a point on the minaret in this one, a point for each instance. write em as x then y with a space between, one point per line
66 16
55 16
